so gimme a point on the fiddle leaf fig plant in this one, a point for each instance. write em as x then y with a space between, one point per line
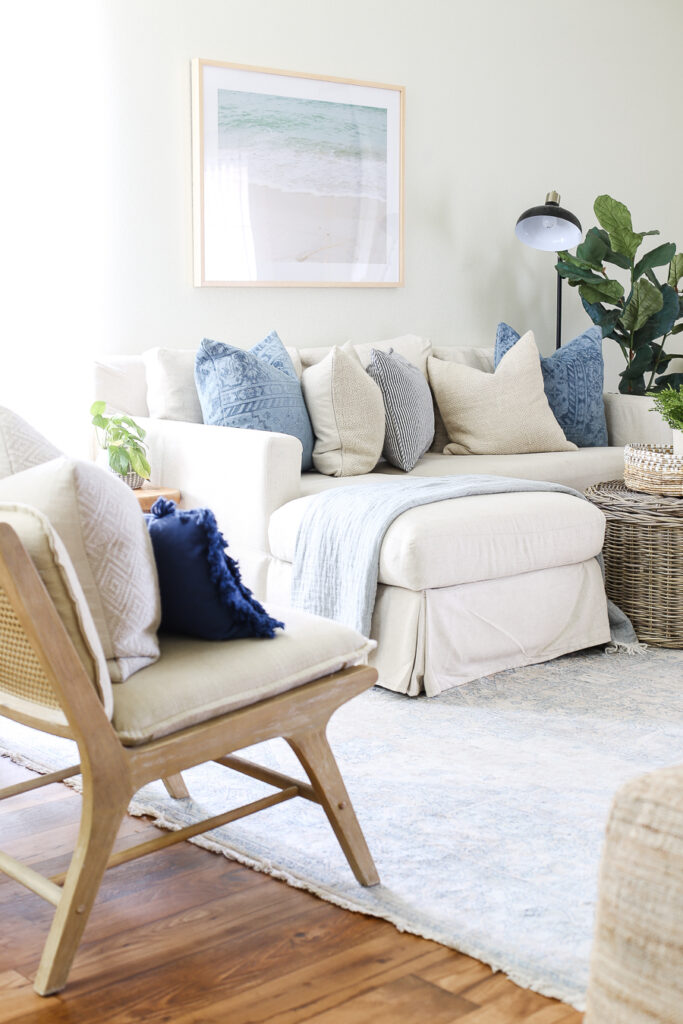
641 316
123 440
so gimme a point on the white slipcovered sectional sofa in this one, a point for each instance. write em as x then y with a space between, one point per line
467 587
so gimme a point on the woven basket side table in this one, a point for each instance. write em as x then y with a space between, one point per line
644 559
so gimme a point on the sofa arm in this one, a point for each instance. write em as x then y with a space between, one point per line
637 958
629 421
241 475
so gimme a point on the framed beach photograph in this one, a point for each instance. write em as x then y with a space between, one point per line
297 180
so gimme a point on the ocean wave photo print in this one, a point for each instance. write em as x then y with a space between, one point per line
297 179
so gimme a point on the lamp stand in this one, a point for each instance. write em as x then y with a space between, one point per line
558 327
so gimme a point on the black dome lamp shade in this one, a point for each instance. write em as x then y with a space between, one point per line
551 228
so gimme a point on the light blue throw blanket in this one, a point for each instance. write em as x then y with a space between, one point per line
336 558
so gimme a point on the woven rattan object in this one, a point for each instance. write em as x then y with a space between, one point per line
644 559
653 469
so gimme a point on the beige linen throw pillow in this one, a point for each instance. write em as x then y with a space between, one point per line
501 413
347 414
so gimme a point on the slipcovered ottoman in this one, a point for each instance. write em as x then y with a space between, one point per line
473 585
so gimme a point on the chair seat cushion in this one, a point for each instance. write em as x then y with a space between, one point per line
465 540
196 680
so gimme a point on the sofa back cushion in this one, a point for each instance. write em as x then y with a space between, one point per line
413 348
171 389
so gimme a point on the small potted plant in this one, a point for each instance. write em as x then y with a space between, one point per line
123 440
669 405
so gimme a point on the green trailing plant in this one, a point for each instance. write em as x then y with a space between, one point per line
669 404
123 440
641 316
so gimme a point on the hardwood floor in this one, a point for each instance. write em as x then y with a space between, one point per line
188 937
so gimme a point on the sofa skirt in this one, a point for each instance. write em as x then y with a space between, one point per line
431 640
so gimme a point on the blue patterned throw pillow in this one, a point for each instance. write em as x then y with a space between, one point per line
408 408
258 389
573 380
202 594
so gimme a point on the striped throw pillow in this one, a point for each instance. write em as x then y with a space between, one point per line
407 405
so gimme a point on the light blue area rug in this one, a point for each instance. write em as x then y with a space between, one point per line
484 808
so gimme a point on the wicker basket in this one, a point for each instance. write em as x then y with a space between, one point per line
653 469
644 560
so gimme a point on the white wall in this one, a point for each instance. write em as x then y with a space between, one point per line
505 100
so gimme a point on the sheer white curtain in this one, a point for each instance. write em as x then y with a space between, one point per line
53 192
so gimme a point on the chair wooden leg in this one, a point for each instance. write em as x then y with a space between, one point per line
318 761
175 787
101 818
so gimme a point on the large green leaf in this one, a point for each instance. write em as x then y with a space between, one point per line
140 464
645 300
675 380
643 360
574 273
659 257
676 270
662 321
118 460
574 261
601 290
594 247
610 256
97 408
633 377
615 218
605 319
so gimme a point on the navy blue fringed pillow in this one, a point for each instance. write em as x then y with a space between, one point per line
202 594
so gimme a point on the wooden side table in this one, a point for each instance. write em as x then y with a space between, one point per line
148 495
644 559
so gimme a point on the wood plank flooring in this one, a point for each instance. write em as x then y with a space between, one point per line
188 937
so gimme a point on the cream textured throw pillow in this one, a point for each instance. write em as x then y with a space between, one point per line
50 558
21 447
98 519
347 414
501 413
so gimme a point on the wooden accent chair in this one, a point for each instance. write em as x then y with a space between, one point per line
281 687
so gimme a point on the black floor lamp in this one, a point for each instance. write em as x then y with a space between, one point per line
553 229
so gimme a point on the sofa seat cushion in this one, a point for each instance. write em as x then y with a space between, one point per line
463 540
573 469
196 680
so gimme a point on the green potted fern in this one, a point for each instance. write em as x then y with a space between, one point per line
123 440
669 405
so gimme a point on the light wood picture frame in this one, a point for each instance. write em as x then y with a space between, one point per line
297 179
